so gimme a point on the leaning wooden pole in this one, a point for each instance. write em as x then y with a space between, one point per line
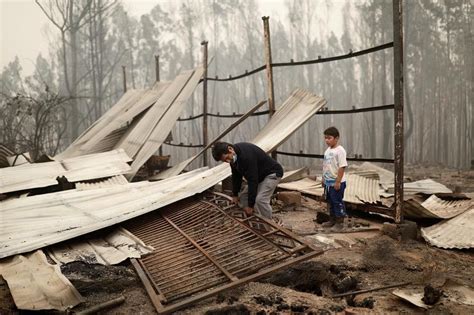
398 101
124 74
205 136
269 70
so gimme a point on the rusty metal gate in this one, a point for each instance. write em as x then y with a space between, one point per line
204 246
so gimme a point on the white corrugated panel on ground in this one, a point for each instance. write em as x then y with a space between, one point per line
56 217
435 207
37 285
85 167
295 111
111 249
457 232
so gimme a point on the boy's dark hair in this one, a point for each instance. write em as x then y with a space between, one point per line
219 149
332 131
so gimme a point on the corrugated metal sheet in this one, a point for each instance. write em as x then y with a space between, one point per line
37 285
167 119
56 217
457 232
305 185
4 152
130 97
425 186
361 189
112 249
386 177
295 111
435 208
85 167
102 183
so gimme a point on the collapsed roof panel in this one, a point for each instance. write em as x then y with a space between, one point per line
37 175
160 130
452 233
435 207
68 214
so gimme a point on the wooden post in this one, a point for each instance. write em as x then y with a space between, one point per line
157 78
398 111
205 136
124 73
157 68
268 62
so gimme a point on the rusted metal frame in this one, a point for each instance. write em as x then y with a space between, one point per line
154 293
200 218
185 275
179 265
230 276
263 263
227 241
199 297
244 261
195 214
196 289
186 211
291 235
269 71
163 246
228 233
245 226
124 75
171 247
194 282
260 245
398 100
152 234
172 260
166 275
198 283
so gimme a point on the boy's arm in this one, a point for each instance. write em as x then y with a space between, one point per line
340 174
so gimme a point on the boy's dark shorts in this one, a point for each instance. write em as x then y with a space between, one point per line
337 207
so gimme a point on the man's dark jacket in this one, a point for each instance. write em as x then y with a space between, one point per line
253 164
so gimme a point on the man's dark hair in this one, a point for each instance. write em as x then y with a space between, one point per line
219 149
332 131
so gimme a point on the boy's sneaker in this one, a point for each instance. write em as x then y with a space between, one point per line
339 225
330 223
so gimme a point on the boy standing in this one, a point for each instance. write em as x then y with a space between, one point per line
334 181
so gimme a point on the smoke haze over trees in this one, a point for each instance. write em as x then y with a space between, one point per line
81 77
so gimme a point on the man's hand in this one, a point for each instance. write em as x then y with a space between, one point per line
235 200
248 210
337 186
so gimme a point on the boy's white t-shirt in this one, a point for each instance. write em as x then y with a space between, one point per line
334 158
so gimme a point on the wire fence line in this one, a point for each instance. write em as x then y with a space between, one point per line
354 110
324 111
351 54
